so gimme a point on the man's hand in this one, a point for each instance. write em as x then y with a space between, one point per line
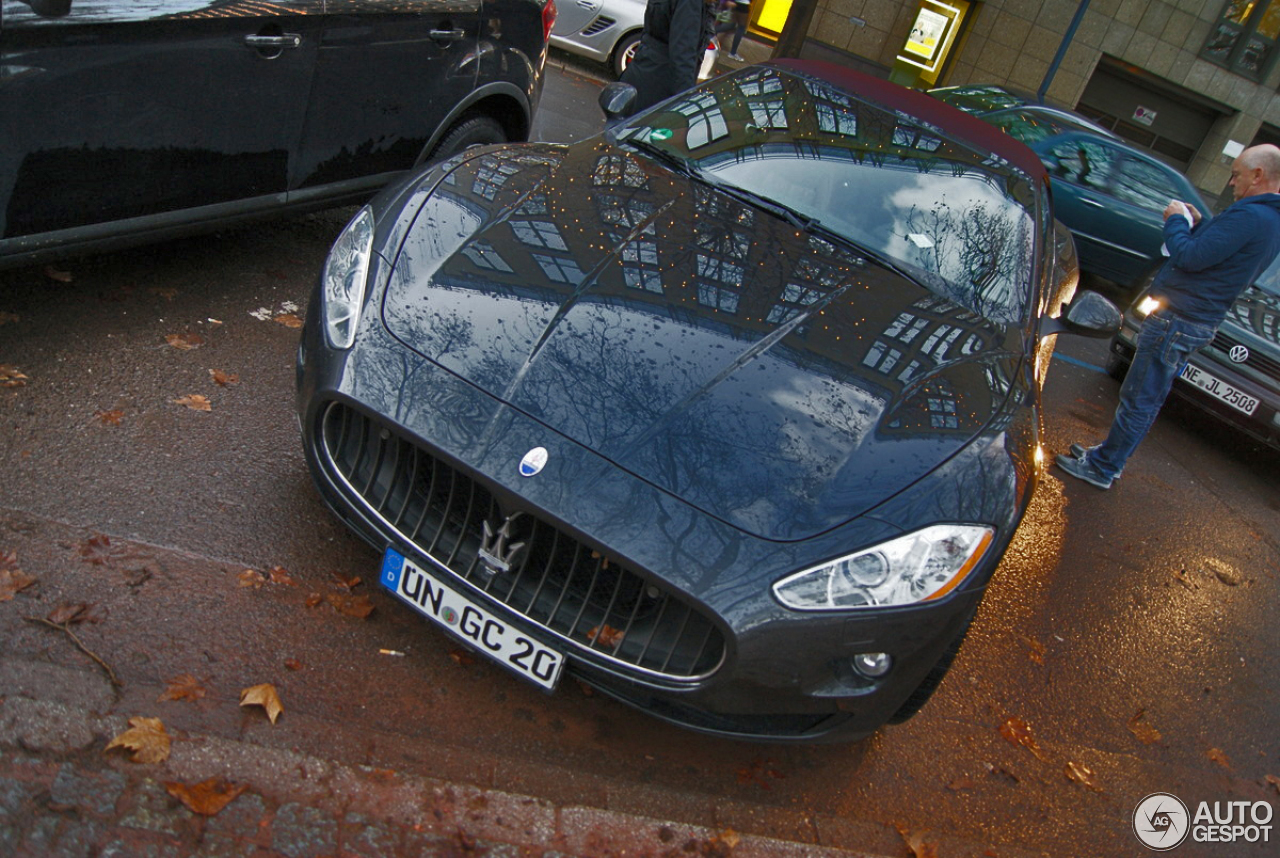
1178 207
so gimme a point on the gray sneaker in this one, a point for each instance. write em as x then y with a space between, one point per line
1083 469
1080 451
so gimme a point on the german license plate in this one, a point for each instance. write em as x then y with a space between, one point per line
469 621
1219 389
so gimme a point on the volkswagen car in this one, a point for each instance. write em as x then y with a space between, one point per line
729 412
127 122
1236 378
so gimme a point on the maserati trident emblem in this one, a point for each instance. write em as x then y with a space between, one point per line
497 552
1239 354
533 462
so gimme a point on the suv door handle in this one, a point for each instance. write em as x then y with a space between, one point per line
285 40
448 35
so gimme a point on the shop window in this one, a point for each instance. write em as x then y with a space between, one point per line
1244 39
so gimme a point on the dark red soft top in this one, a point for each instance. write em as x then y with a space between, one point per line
977 133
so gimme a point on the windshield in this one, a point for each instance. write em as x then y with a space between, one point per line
959 221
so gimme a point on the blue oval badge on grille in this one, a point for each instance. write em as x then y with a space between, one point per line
533 461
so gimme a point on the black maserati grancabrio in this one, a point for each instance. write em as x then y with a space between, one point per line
729 412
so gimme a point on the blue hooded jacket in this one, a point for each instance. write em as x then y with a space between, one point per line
1210 265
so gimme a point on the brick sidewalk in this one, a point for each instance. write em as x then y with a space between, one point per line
62 795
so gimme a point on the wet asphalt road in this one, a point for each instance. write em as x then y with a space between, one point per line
1128 640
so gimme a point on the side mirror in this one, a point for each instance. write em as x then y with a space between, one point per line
1089 315
617 100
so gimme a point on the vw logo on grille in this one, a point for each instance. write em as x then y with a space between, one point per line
1239 354
533 462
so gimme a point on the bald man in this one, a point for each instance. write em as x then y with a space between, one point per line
1211 261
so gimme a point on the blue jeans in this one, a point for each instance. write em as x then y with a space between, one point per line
1165 344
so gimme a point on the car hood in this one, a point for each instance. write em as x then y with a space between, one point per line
1257 312
775 380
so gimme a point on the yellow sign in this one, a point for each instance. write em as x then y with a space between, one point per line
931 36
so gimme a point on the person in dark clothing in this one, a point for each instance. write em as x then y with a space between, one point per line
1211 261
667 59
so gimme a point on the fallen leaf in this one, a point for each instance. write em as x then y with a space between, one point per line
147 738
68 614
184 687
185 342
314 599
607 636
279 575
1139 727
1037 649
57 274
347 584
1083 775
961 783
206 798
1274 781
251 578
462 657
915 840
13 582
10 376
289 320
222 379
1018 732
1219 757
9 317
194 401
352 606
265 696
729 838
292 664
96 549
109 418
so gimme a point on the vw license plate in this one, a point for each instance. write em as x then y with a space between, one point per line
465 619
1220 390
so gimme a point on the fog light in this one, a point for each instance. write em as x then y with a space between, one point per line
872 665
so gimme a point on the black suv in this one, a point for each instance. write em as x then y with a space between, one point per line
1236 377
130 120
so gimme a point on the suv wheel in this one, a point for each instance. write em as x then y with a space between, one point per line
468 132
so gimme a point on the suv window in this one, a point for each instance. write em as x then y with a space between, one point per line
1145 185
1084 162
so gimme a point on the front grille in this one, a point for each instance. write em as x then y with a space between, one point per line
1258 360
599 25
555 582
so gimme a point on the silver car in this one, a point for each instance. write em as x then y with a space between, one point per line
608 31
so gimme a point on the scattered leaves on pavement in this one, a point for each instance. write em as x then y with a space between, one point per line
109 418
222 379
1018 732
184 687
1143 729
185 341
147 738
352 605
11 376
607 636
194 401
251 578
280 575
263 695
1217 755
1082 775
206 798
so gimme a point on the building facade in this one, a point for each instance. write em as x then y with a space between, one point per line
1192 81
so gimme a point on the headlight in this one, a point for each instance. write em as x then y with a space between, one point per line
1146 307
343 279
917 567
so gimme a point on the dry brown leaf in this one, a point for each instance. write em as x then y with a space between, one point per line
57 274
11 376
96 549
292 664
206 798
265 696
280 575
184 687
1037 649
194 401
351 605
1018 732
915 840
289 320
147 738
109 418
314 599
13 582
1217 755
222 379
1274 781
186 341
607 636
729 838
68 614
1144 731
9 317
251 578
462 657
347 584
1083 775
